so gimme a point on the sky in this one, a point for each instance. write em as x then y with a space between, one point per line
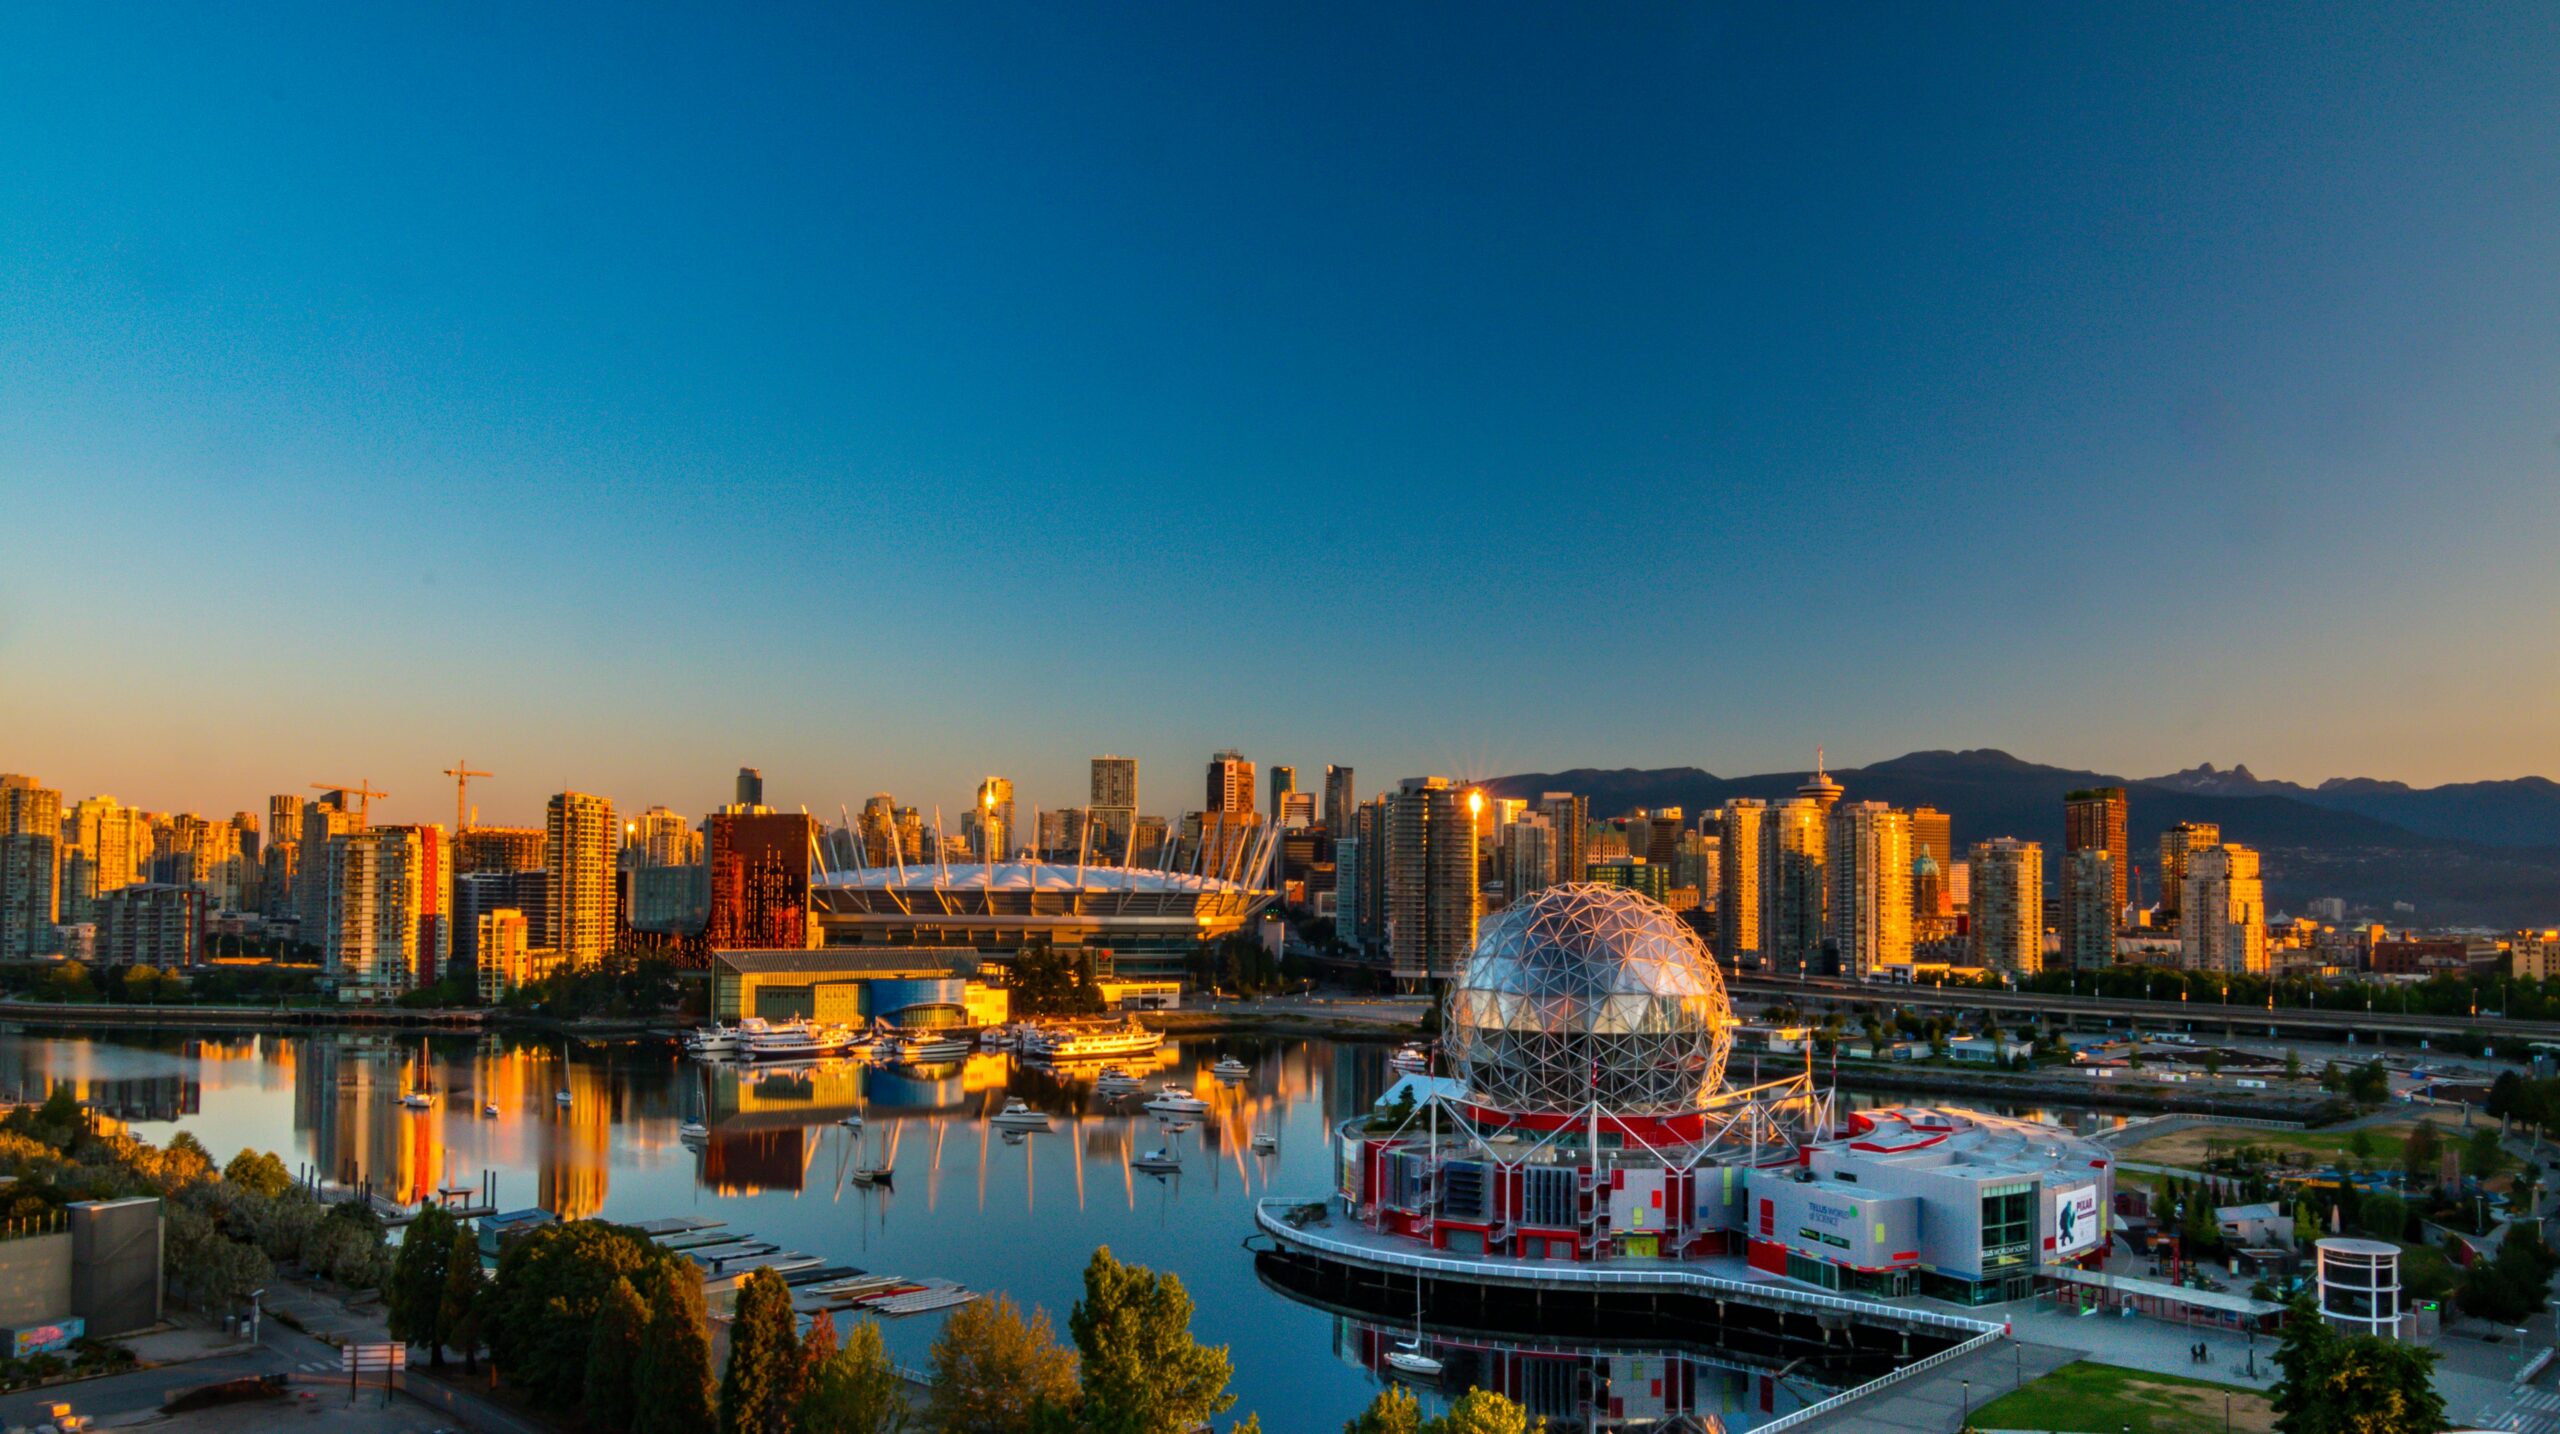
886 395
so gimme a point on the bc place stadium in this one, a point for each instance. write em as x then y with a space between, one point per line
1150 921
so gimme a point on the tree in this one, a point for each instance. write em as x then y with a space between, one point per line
2482 1155
995 1372
854 1390
2360 1144
1143 1373
761 1384
1392 1412
208 1268
2293 1065
413 1299
613 1354
2329 1383
2421 1152
547 1291
463 1284
816 1347
1481 1411
674 1376
2371 1084
258 1173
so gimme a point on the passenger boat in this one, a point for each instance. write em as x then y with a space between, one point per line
1063 1045
1171 1099
716 1042
1018 1115
796 1041
1231 1069
1156 1162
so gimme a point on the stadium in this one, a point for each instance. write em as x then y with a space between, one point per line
1151 921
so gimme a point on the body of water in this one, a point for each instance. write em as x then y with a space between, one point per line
1015 1215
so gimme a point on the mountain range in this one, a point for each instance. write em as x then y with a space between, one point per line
2470 854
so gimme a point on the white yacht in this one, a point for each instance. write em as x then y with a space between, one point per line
1115 1081
1231 1069
851 1122
796 1041
1018 1115
929 1052
1089 1044
1413 1058
1408 1358
716 1042
1156 1162
418 1100
490 1110
1266 1143
1171 1099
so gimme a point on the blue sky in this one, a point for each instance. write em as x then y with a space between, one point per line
892 394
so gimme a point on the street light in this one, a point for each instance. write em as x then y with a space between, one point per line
1968 1403
255 1296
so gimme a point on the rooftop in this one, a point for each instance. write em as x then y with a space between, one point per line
1019 876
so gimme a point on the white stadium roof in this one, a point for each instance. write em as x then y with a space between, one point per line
1019 876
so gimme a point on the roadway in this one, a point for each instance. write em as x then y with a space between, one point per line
2149 1013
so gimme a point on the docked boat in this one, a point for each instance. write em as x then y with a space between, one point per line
1171 1099
418 1100
1018 1115
1414 1059
563 1098
796 1041
918 1053
1063 1045
1408 1358
693 1132
716 1042
490 1110
1115 1081
1231 1069
998 1038
1157 1162
1265 1143
873 1175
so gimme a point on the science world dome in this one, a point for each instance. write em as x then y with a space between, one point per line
1584 992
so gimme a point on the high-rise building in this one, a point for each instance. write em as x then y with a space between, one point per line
750 788
2181 841
502 849
993 819
281 861
1819 788
760 881
662 837
1296 811
1111 798
1528 857
1793 887
324 820
150 924
2088 937
2008 905
477 893
1284 780
508 958
31 874
2222 913
370 947
1634 873
1867 856
433 913
1933 831
1432 902
102 849
1230 784
1341 798
1739 912
1570 815
577 843
2093 819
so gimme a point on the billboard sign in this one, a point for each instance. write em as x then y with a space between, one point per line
27 1339
2076 1223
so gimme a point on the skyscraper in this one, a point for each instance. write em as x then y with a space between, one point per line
1284 780
502 849
30 866
2093 818
323 821
1738 900
2179 843
371 945
664 838
2008 905
1793 887
1431 881
2088 937
992 819
281 862
750 788
1867 852
1933 831
1570 815
2222 913
1340 799
1528 857
1230 784
103 845
760 881
1113 800
577 839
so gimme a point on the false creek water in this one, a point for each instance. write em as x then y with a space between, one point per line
967 1205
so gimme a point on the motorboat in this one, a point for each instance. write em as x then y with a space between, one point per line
1157 1162
1171 1099
917 1053
796 1041
1115 1081
418 1100
490 1110
1266 1144
717 1042
1231 1069
1018 1115
1063 1045
693 1132
1414 1058
1174 1124
563 1098
998 1038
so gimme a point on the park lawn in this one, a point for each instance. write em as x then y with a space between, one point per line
2186 1148
2102 1399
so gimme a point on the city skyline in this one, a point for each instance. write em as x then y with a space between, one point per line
870 396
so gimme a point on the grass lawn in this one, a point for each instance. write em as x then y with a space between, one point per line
2102 1399
2186 1148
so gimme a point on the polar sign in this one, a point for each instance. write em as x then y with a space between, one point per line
2076 1226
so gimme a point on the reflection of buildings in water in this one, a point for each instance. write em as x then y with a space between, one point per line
170 1096
577 1140
346 1094
1598 1387
744 1162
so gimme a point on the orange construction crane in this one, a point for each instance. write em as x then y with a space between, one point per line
462 774
363 791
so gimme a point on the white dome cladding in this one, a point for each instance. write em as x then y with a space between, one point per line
1584 990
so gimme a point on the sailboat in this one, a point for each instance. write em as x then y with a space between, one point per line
562 1097
423 1095
882 1173
1406 1356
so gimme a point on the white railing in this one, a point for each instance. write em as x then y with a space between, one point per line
1667 1275
1916 1367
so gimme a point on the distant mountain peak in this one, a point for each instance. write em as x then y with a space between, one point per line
2208 779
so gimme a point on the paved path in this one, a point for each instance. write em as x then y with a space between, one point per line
1938 1400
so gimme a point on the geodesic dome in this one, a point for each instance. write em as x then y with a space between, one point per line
1585 991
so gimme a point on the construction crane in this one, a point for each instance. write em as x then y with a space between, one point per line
363 791
462 774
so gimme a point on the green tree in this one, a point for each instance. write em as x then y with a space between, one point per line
613 1355
760 1385
1394 1411
1481 1411
995 1372
2329 1383
674 1375
854 1390
547 1291
2293 1065
2371 1084
2421 1152
2482 1155
1143 1372
463 1284
208 1268
258 1173
2360 1144
413 1299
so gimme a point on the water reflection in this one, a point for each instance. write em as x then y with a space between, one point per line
967 1201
